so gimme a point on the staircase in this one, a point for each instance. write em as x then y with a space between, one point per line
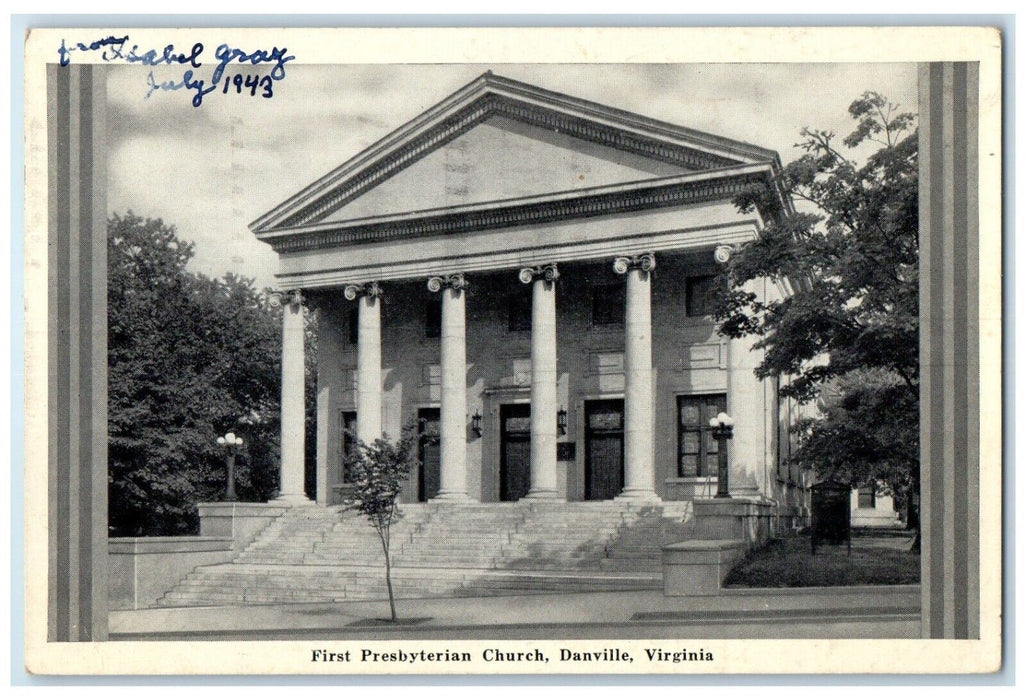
313 554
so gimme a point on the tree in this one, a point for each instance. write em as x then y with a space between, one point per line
189 358
844 238
377 472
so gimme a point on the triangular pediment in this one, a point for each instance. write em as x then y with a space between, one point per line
498 140
501 159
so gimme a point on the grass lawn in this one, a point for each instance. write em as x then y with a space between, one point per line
789 563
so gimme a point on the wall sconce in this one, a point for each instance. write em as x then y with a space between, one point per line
475 423
561 421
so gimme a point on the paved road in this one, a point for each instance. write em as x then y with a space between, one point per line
835 613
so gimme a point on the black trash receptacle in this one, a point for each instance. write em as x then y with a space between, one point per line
831 513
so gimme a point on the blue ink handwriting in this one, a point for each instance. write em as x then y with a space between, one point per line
113 49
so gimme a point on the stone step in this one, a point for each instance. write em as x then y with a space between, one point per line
316 554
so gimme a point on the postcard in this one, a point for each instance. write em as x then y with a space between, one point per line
513 350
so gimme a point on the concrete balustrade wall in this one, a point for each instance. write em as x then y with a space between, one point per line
142 569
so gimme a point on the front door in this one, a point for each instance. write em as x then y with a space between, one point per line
515 458
603 440
429 452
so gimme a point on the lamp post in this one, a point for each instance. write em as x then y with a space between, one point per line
722 430
232 442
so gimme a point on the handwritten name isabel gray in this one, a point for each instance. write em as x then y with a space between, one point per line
199 83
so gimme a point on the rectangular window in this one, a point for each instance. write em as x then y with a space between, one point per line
698 300
607 304
433 317
698 451
518 308
867 497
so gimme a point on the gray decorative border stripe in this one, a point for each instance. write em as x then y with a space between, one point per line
949 350
77 354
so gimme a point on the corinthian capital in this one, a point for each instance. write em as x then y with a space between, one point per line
644 262
355 291
454 281
550 273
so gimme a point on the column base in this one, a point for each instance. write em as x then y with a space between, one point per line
639 496
542 495
293 499
452 497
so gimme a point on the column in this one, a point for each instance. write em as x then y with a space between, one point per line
639 418
544 403
293 398
747 404
453 439
368 360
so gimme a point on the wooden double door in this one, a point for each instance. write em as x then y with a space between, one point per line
603 448
515 451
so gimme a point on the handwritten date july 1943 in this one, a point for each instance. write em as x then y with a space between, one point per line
117 49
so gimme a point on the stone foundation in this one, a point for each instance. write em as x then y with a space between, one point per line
749 520
725 529
698 567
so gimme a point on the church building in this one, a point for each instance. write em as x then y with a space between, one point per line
524 276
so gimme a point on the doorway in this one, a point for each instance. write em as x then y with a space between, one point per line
603 449
515 451
430 453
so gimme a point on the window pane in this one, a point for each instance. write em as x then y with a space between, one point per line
518 424
691 444
697 301
689 465
867 497
606 420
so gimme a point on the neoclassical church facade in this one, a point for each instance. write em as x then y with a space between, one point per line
524 277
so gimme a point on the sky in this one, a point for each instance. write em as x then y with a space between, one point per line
213 169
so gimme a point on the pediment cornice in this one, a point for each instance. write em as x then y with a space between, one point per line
722 184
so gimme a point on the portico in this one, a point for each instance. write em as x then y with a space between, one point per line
537 267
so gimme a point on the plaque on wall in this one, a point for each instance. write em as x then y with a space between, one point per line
566 451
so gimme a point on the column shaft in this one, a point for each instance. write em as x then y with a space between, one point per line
368 369
746 404
293 400
453 441
543 390
639 422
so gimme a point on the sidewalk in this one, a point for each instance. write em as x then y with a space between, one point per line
853 612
